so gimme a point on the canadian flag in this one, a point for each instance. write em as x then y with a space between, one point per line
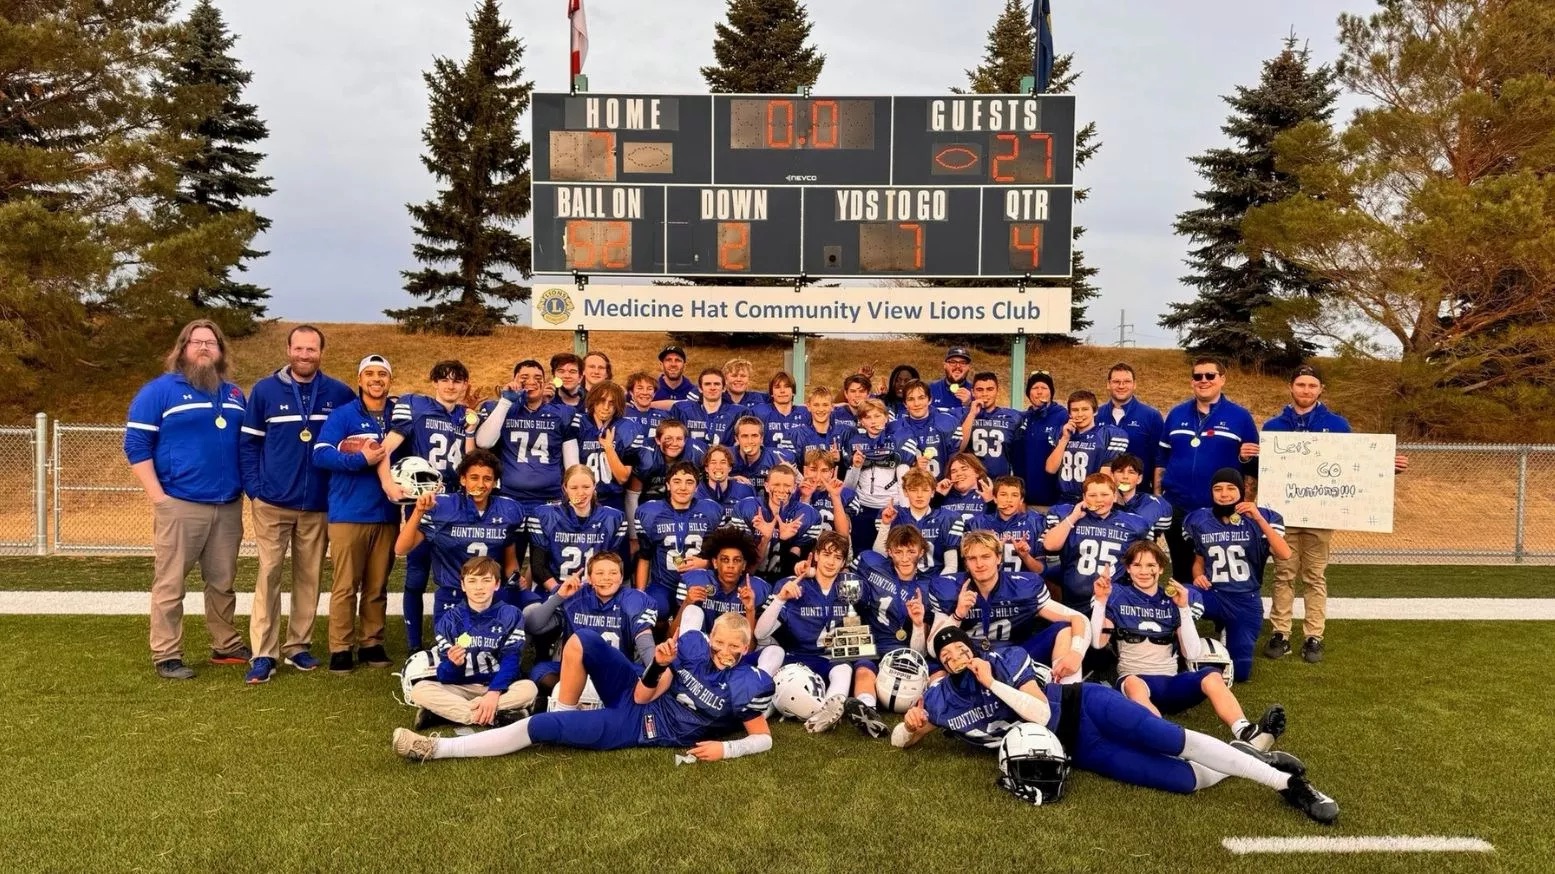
580 35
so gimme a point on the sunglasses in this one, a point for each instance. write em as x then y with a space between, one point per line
1205 377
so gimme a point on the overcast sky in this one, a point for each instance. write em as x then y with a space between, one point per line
339 83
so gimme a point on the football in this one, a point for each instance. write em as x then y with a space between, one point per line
357 444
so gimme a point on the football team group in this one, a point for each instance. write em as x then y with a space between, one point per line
671 560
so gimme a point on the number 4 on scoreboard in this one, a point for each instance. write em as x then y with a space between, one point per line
1025 246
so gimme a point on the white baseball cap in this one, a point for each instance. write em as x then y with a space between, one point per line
374 361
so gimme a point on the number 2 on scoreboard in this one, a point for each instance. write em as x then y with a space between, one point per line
734 246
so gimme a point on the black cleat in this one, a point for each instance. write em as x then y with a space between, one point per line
1279 760
864 717
1278 646
1304 797
374 657
1312 650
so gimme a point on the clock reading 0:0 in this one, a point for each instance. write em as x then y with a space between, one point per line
596 245
791 123
890 247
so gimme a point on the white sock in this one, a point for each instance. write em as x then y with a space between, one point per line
559 706
1203 778
495 742
1075 677
1220 756
867 698
1236 727
839 680
770 659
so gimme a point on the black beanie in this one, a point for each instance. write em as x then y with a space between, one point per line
952 634
1043 377
1229 475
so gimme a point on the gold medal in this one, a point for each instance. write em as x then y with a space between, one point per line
1194 442
901 634
221 422
305 436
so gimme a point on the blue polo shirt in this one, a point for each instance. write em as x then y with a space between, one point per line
175 425
1218 435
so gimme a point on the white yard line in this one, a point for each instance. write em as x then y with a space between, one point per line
137 603
1357 844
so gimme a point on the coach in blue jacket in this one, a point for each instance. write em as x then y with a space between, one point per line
1200 436
286 412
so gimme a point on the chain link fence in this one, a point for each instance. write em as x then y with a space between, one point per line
1457 503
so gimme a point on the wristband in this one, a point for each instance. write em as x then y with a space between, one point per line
652 673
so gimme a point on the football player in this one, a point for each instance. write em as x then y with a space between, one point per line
434 428
567 379
480 642
1151 628
1017 528
781 416
753 460
1232 539
474 522
941 528
717 487
670 445
567 535
728 588
1089 536
875 471
694 688
927 436
783 525
991 431
669 536
820 488
895 395
966 489
639 407
824 430
1128 473
608 443
1039 427
737 380
856 389
802 616
983 696
999 608
533 438
893 602
709 419
597 369
600 604
1084 446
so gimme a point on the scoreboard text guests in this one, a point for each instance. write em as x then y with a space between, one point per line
776 185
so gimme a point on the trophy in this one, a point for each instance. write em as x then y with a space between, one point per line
852 639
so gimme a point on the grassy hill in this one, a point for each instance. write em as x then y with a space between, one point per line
1163 373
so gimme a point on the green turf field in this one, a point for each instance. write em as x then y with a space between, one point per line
133 574
1417 728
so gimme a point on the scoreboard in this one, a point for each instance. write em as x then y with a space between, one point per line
728 185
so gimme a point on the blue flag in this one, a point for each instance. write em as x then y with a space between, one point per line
1042 58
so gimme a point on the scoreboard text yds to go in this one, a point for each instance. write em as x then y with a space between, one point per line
779 186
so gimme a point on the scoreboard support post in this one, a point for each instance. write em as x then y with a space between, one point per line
580 337
1017 369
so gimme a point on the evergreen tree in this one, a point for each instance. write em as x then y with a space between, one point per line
93 276
1238 314
1007 58
222 174
468 241
761 49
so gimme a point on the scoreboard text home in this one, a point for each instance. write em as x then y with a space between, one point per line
788 186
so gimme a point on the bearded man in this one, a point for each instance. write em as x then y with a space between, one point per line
182 445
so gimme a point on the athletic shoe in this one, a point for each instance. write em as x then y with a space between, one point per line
1304 797
425 719
1278 646
825 718
1312 650
174 669
302 660
416 747
239 656
1279 760
341 662
1263 733
864 717
261 672
373 657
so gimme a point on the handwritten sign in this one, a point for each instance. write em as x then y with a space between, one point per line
1321 480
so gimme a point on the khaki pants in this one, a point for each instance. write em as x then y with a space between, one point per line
452 701
305 534
360 555
186 534
1309 560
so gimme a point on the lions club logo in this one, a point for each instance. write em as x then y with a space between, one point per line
555 306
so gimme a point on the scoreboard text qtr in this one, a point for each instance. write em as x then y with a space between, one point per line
778 185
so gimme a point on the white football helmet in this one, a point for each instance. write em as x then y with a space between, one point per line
797 691
422 665
417 477
1033 763
904 674
1214 654
589 699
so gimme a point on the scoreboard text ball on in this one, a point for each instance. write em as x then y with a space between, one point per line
971 186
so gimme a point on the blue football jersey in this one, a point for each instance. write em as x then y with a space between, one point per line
992 439
837 436
531 449
1095 543
782 555
961 706
749 399
726 495
1086 453
459 532
647 421
719 601
628 442
665 533
780 426
1027 525
710 428
568 542
884 603
618 619
822 501
756 469
653 467
1234 553
1007 615
431 432
964 504
936 437
493 645
1144 628
815 611
1152 508
702 701
941 528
